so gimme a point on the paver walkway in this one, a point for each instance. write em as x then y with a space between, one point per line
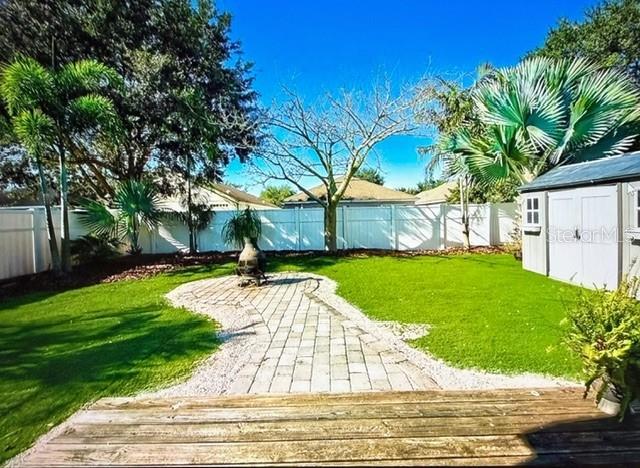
283 337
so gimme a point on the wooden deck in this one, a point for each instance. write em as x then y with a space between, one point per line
392 428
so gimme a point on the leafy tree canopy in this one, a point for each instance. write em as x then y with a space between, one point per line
371 175
426 184
609 35
276 194
183 78
501 191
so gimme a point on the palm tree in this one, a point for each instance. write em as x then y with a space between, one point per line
136 204
26 129
55 112
454 111
543 113
197 217
243 224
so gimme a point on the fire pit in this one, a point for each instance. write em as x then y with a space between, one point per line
252 264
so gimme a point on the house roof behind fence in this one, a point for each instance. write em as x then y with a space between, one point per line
358 189
239 196
437 194
612 169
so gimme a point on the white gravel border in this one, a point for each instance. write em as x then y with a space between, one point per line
242 337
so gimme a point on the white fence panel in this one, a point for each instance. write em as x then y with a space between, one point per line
17 246
24 248
367 227
505 222
418 228
24 245
479 225
311 228
279 230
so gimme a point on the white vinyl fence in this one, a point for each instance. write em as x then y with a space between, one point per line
24 246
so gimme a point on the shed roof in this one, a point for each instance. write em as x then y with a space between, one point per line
611 169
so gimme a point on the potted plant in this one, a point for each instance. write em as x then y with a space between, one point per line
243 230
603 328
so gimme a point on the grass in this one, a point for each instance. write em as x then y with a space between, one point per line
59 351
485 310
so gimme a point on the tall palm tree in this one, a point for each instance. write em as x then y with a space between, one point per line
136 204
26 129
454 111
54 112
544 112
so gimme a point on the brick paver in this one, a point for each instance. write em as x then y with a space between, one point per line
299 342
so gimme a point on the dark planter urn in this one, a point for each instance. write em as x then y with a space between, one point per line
249 254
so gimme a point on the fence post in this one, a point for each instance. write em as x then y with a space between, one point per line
345 244
394 227
34 240
491 227
298 228
443 226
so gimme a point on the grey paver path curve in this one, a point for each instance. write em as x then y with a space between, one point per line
286 337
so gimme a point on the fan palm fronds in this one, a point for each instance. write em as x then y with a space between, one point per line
99 220
545 112
136 204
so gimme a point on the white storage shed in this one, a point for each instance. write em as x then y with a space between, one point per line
581 222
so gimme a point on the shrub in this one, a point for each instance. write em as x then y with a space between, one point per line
604 330
90 249
137 203
242 224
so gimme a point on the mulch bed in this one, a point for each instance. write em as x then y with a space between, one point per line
148 265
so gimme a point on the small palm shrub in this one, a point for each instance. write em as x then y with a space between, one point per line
136 204
242 224
88 249
603 328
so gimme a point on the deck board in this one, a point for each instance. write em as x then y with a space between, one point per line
503 427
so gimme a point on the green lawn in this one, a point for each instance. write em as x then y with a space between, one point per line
61 350
486 311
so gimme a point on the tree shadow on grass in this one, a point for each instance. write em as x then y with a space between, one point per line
48 371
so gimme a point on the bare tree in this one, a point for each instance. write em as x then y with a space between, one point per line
331 141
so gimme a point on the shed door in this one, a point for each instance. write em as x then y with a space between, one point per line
565 257
583 240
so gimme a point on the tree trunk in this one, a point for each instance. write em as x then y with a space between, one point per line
464 211
330 228
64 212
51 231
134 235
192 234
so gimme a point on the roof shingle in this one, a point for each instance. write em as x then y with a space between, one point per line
358 189
611 169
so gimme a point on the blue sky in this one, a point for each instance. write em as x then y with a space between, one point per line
319 46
